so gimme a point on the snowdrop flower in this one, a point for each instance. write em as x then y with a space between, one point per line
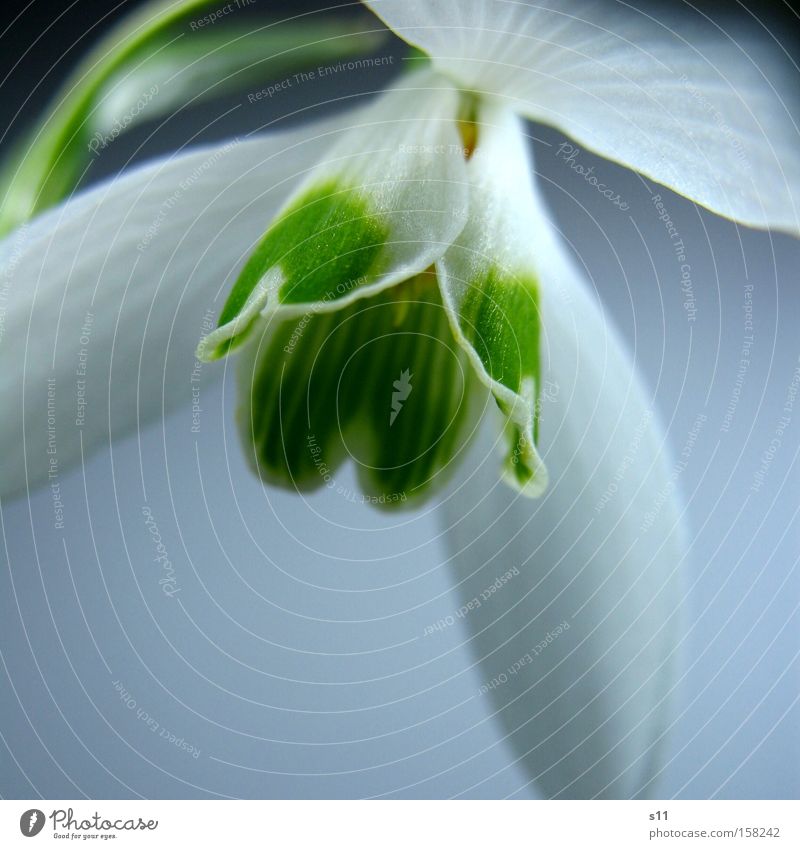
388 271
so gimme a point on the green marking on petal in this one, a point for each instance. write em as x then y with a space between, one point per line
324 244
521 464
320 249
500 317
497 321
381 381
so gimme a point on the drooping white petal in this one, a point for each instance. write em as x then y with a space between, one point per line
576 626
681 102
104 298
490 288
383 206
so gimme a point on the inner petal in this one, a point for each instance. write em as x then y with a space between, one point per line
382 382
385 203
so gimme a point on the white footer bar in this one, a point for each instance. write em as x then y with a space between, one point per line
401 824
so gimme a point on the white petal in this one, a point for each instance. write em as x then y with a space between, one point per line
122 281
587 713
383 206
490 288
682 103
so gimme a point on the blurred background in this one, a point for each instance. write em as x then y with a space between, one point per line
295 661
